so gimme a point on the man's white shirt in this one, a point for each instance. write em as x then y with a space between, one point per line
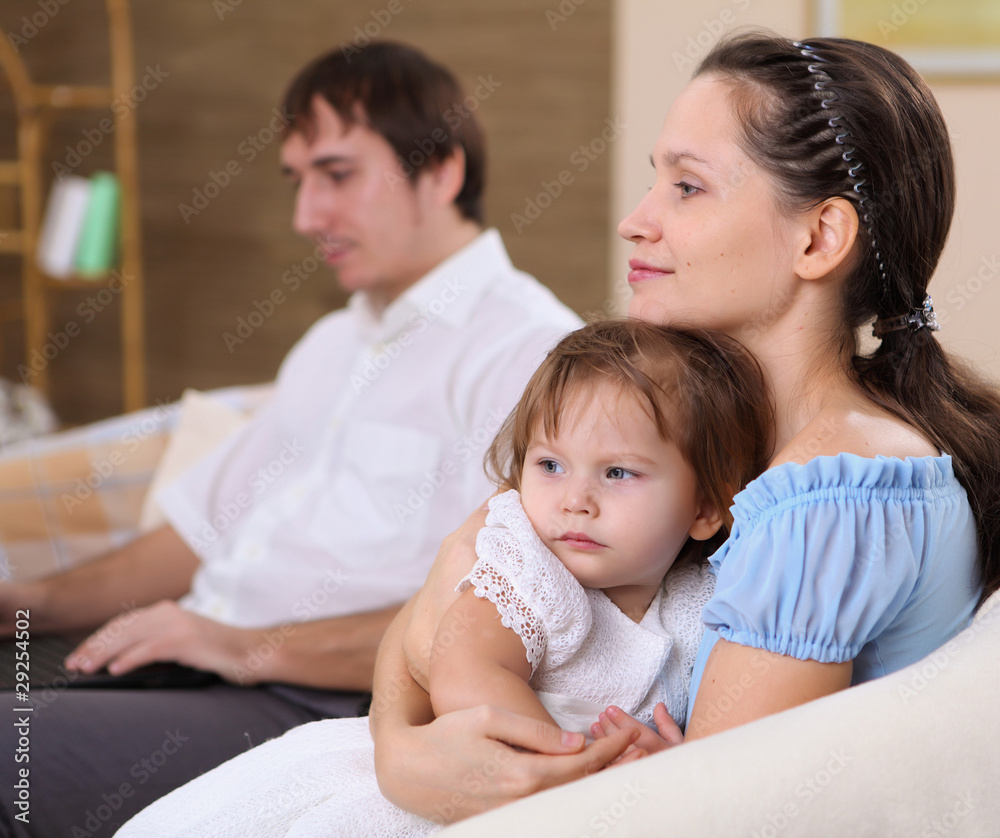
336 496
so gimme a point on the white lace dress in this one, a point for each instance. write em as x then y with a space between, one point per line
318 780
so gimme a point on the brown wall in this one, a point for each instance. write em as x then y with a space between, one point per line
220 80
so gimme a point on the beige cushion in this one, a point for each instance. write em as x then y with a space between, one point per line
916 753
203 423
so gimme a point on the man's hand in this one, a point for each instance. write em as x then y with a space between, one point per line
333 653
163 632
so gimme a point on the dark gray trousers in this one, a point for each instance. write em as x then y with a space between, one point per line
96 757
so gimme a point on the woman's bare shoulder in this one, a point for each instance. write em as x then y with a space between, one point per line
862 429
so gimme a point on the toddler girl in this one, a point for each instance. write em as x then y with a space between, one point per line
620 460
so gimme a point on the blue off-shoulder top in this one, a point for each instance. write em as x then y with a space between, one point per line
846 558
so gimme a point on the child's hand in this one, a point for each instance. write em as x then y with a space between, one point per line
614 719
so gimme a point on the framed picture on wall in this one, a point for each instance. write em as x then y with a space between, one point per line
943 38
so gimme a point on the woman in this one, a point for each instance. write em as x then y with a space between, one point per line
801 191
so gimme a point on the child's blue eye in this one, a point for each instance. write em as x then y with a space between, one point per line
550 466
619 473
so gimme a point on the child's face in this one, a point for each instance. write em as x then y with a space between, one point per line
610 497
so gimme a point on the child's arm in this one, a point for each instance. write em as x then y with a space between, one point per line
476 660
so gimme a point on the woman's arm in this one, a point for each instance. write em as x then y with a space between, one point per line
741 684
466 762
477 660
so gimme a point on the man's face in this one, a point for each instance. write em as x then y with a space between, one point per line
353 199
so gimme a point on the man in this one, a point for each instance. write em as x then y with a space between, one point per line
292 545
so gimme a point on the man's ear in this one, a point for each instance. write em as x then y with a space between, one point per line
445 179
830 232
707 523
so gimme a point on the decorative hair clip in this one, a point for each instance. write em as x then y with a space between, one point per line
843 135
921 318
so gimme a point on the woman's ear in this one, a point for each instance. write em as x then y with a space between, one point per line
831 229
707 523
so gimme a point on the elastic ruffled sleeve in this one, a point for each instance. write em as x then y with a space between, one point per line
823 556
533 592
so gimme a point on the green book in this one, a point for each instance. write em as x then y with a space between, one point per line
97 251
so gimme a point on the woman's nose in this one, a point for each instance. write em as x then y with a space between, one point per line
643 222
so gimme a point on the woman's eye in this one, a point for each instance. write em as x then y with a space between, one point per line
686 189
550 467
619 473
338 176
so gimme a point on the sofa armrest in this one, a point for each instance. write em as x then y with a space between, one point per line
69 497
914 753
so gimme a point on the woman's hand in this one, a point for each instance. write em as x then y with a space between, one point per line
470 761
454 561
614 719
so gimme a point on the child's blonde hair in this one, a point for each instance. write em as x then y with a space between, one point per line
704 391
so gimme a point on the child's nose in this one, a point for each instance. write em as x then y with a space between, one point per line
580 497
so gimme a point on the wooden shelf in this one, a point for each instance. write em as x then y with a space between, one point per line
79 283
11 241
37 106
65 96
10 172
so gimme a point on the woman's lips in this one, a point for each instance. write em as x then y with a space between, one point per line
642 271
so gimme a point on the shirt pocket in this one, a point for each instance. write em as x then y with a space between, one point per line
376 507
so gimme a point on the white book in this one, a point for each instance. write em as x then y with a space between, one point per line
61 227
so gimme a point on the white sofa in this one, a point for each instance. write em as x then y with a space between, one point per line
914 754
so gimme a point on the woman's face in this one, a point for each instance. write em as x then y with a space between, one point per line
712 250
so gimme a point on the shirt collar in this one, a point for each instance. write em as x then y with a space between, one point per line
449 293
